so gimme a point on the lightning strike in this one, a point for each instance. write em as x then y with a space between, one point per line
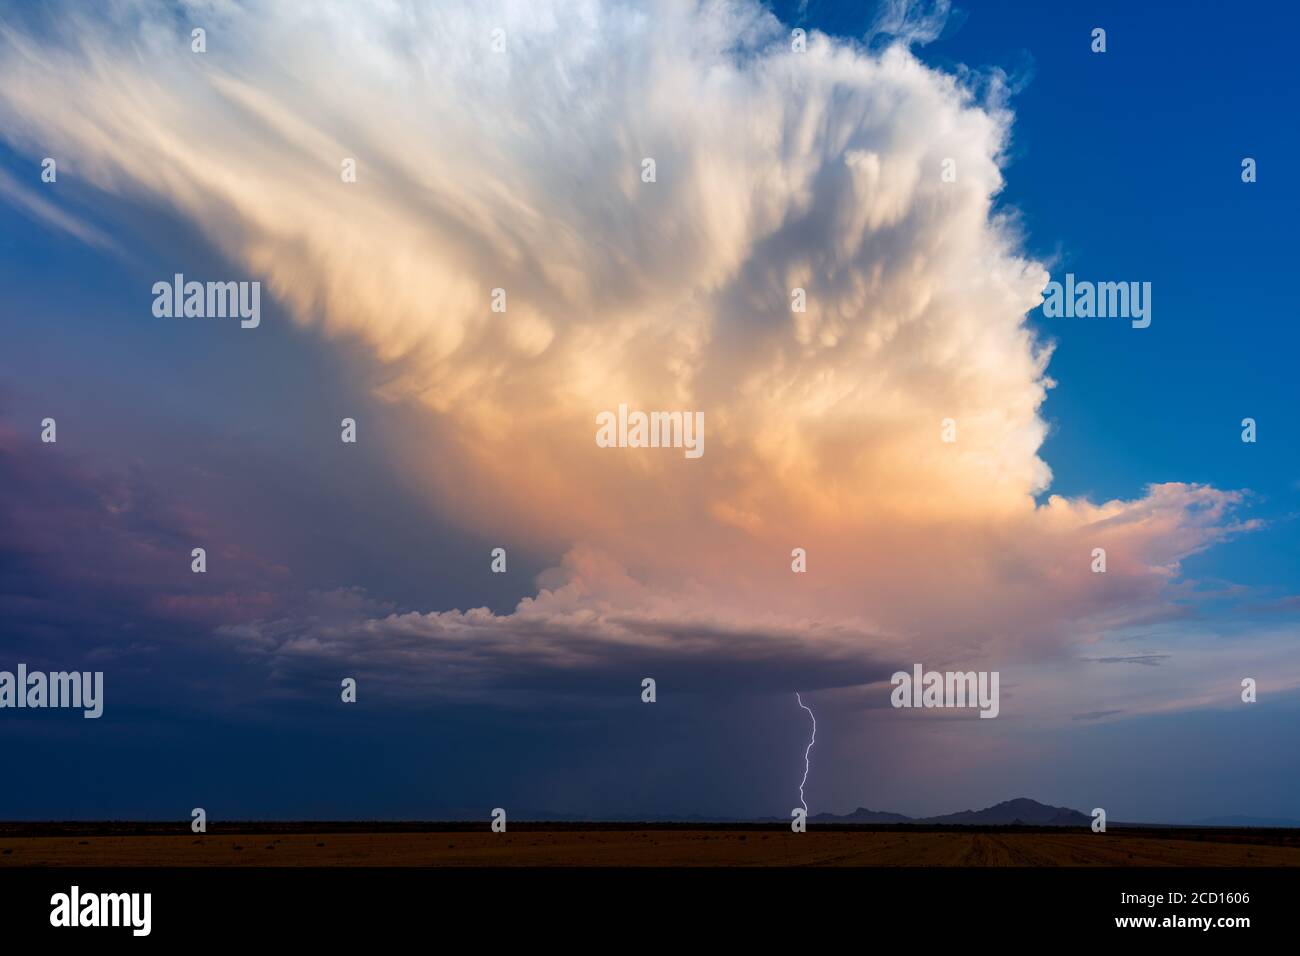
807 751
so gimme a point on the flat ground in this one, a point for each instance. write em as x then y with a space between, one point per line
568 845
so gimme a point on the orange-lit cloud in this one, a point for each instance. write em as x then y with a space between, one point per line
776 170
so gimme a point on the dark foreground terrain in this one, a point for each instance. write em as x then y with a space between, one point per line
646 845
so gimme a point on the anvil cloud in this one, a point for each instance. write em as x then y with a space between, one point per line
520 169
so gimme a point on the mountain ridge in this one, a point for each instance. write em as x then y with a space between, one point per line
1020 811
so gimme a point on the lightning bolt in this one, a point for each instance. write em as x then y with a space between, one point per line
807 751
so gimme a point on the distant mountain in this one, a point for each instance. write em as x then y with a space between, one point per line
1019 812
861 815
1237 820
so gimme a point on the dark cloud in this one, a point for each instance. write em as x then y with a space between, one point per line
1148 660
1097 714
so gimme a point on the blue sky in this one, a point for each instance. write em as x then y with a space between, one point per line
1124 165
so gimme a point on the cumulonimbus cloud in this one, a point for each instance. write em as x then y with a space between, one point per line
501 145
